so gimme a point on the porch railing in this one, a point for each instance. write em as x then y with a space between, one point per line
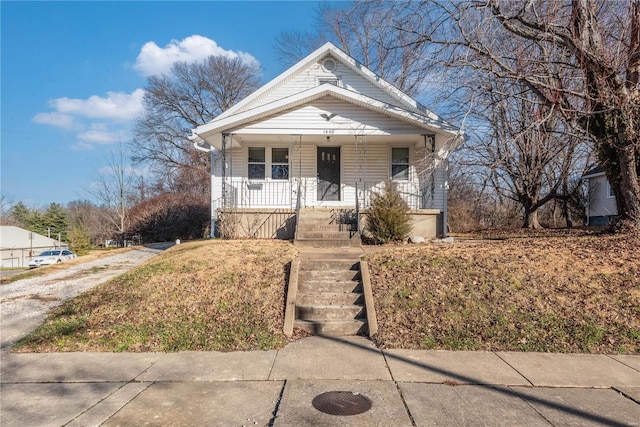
243 193
411 192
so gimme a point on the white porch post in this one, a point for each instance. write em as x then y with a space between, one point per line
361 168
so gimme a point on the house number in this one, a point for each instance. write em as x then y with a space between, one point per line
328 131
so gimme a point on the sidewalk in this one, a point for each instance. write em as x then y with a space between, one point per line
405 387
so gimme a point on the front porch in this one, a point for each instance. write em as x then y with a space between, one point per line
264 184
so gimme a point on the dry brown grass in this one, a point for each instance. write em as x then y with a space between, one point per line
531 291
208 295
541 291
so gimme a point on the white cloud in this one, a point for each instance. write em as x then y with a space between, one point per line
116 105
100 134
81 146
64 121
153 59
99 137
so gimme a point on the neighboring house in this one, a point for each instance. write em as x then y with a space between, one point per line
601 202
18 245
325 135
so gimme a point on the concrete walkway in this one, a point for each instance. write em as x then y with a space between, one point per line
406 387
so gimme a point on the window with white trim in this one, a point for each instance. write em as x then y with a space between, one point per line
610 193
280 163
400 164
264 163
257 163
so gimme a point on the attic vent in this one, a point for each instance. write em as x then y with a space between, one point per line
329 64
331 80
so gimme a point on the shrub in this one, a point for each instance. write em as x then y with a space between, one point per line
389 219
170 216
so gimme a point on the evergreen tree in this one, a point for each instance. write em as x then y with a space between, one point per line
79 240
389 219
55 221
21 214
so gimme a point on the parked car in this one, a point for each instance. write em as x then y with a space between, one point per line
51 257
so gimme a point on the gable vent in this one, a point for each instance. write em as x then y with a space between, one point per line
329 64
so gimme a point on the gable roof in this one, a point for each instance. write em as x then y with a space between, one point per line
256 106
594 172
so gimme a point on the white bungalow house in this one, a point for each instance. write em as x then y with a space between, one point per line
318 140
601 202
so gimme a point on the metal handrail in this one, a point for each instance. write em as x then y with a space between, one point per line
357 210
298 203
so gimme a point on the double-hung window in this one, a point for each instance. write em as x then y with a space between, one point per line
266 163
280 163
400 164
257 163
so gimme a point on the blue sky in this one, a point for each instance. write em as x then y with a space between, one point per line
72 75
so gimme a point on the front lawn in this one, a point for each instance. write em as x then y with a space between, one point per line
549 293
207 295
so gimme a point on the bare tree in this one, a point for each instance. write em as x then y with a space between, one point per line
579 57
530 153
112 189
6 205
85 215
190 95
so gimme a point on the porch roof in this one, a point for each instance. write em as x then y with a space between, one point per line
210 134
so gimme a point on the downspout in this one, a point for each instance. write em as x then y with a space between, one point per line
201 145
214 155
445 224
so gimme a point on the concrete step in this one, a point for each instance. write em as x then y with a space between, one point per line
329 312
333 327
315 234
317 287
324 226
328 275
329 264
327 213
327 243
330 298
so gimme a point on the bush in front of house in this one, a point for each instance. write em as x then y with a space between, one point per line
388 219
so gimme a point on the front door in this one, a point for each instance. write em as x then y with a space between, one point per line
328 174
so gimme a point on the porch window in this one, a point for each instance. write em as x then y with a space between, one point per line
280 163
257 161
399 164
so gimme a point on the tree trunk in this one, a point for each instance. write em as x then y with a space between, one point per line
628 192
618 157
531 219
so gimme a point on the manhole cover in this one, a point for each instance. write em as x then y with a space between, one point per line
341 403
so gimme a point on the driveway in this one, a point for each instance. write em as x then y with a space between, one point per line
25 303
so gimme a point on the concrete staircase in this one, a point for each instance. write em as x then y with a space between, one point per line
329 298
327 228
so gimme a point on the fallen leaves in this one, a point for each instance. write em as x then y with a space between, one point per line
571 292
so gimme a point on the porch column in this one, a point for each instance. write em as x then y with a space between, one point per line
360 160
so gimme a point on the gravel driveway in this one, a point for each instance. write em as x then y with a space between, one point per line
24 303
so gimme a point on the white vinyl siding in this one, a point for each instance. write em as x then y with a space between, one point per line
600 204
347 117
310 77
371 173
